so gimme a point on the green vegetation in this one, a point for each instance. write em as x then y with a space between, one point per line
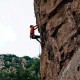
19 68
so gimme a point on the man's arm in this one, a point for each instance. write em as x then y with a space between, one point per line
35 27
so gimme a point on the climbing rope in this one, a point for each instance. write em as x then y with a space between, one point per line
39 49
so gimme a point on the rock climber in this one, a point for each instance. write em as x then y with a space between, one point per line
32 31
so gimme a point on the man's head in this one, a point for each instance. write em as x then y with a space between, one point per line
31 26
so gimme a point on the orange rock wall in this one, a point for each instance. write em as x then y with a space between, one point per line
59 27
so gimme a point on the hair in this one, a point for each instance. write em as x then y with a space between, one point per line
31 26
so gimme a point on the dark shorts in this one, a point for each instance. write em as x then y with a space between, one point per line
31 35
34 36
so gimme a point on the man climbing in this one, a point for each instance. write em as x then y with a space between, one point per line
32 31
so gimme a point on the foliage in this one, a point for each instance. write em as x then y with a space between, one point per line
13 69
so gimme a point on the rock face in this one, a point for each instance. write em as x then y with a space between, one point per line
59 27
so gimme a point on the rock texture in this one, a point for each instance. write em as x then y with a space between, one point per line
59 27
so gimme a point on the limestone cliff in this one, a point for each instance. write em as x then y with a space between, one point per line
59 27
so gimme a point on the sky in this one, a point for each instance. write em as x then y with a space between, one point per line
15 18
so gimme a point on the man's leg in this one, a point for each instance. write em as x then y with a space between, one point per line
37 38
